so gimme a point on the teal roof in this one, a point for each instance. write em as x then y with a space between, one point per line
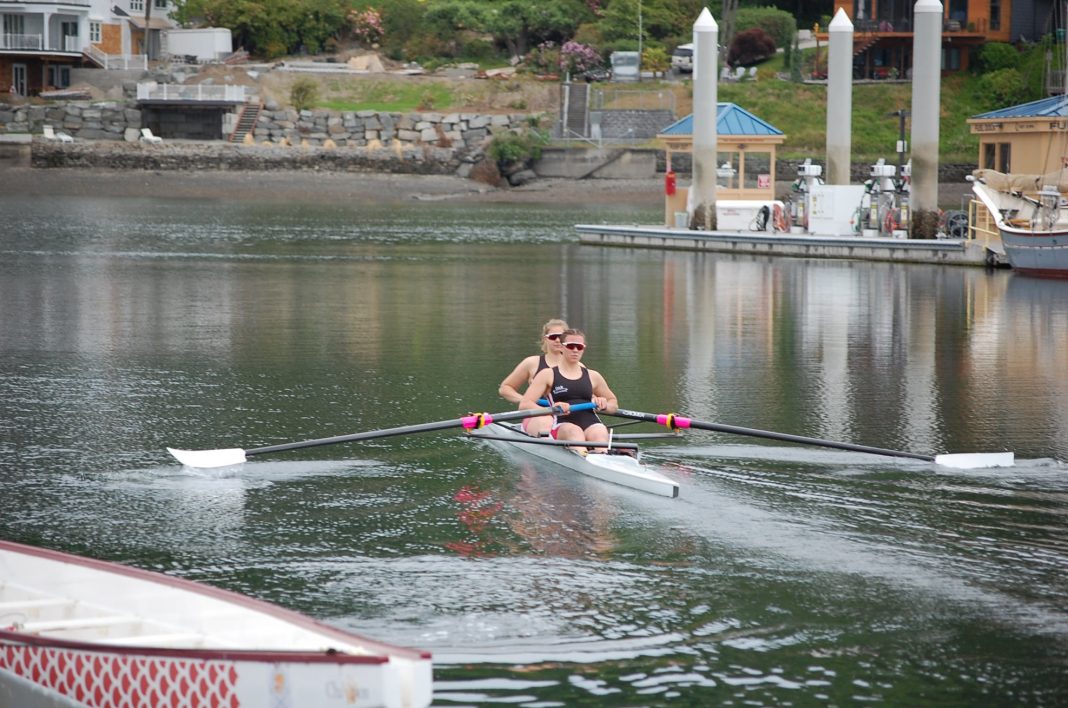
731 119
1053 107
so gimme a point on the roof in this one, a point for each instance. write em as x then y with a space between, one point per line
731 119
1052 107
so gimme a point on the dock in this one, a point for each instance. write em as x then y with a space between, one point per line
963 252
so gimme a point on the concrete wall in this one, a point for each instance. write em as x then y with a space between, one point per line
597 163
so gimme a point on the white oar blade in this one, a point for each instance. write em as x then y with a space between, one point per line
976 460
209 458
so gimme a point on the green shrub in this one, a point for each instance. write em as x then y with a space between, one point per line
998 55
304 93
513 147
779 24
1004 87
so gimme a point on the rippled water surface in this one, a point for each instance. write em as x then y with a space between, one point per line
781 575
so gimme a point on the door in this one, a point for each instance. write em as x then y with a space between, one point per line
69 32
18 79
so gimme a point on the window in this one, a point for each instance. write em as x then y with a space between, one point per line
94 32
1005 157
757 165
14 24
137 5
727 170
160 4
995 14
58 76
990 152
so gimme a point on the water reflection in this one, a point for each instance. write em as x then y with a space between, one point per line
780 574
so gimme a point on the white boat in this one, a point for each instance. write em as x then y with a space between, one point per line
624 468
1031 217
81 632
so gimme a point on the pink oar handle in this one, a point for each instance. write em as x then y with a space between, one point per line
673 421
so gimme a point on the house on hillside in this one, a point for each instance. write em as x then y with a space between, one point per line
1031 138
746 152
40 42
883 31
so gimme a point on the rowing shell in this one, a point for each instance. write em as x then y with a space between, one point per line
623 469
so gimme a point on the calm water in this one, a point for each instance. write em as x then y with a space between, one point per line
782 575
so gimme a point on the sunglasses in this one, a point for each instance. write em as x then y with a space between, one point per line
555 337
575 346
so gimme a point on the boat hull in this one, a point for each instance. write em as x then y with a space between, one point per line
76 631
1042 253
625 470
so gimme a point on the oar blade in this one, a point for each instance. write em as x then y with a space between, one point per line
206 459
976 460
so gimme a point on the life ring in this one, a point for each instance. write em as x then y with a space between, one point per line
778 218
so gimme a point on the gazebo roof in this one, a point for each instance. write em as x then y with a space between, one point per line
1052 107
731 119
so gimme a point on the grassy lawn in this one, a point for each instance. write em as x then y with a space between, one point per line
388 96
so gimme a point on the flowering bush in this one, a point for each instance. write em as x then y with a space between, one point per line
544 59
366 25
578 58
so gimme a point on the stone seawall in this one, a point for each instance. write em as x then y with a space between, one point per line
122 121
398 159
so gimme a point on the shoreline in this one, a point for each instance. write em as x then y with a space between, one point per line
326 187
320 186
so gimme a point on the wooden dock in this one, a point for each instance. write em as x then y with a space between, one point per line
964 252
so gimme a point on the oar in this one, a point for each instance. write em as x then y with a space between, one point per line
233 456
964 461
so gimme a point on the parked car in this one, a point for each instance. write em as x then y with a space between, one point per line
599 74
682 58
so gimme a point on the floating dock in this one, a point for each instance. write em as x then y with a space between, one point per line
964 252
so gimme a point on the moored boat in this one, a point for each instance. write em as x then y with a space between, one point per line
1033 229
81 632
621 465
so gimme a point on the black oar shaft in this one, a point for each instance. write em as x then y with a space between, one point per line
675 421
402 430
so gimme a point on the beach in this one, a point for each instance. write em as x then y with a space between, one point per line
321 186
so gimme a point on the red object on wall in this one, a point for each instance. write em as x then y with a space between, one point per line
669 182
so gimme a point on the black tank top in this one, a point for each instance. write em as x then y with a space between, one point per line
572 391
542 364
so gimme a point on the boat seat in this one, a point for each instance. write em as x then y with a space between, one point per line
183 639
78 623
34 604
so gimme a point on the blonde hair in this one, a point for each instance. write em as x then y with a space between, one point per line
543 342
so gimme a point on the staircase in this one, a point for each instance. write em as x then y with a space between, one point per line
246 120
575 106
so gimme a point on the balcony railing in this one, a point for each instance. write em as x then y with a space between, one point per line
35 43
185 92
116 61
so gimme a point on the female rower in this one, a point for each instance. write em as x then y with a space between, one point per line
569 383
552 354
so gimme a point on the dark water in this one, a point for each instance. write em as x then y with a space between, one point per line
781 575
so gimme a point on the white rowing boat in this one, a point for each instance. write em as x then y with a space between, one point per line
623 468
81 632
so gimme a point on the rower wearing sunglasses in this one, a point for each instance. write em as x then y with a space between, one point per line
552 353
569 383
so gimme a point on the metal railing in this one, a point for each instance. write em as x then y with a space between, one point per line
36 43
116 61
184 92
33 42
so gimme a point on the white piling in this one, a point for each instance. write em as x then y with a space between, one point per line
701 201
926 104
839 98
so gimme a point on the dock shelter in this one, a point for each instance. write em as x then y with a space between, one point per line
746 152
